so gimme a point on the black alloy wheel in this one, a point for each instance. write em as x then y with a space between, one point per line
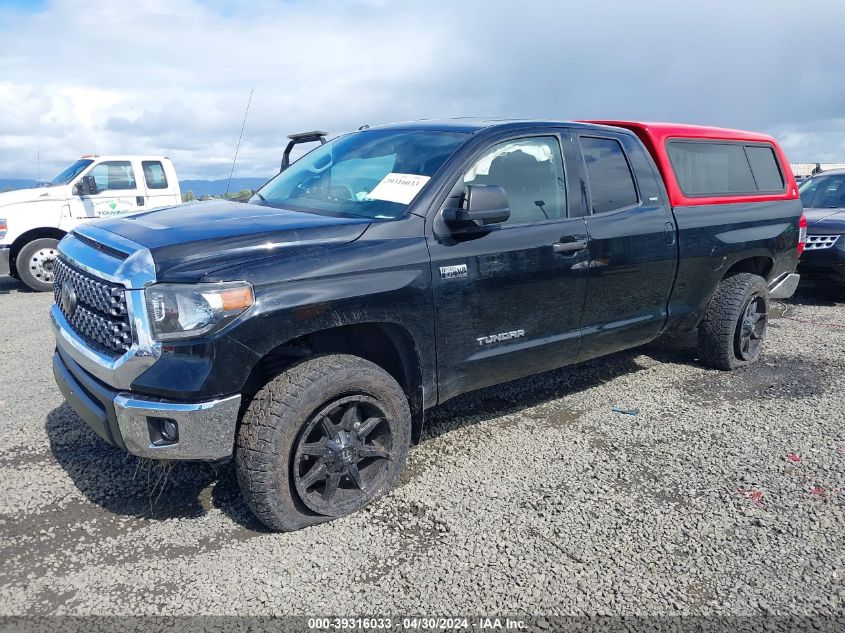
342 455
323 439
733 329
752 328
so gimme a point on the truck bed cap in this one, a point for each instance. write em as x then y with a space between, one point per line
663 131
655 136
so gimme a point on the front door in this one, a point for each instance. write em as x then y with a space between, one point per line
118 192
508 299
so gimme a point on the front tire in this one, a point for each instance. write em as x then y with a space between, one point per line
322 440
35 263
734 326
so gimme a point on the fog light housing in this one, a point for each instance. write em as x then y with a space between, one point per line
163 431
169 430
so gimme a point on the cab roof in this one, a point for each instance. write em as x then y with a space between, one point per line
122 157
471 125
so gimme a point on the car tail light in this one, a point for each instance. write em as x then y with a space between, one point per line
802 233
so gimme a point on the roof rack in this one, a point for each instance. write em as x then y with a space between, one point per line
296 139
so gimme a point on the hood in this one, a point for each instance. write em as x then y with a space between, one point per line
190 240
825 220
37 194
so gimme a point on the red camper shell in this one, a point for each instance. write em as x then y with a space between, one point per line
708 165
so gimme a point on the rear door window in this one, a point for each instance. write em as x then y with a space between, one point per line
714 168
609 174
154 174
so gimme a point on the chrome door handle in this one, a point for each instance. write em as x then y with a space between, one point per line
569 247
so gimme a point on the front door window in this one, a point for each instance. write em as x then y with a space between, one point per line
531 172
114 175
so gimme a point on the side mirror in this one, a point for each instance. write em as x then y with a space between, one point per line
85 187
483 205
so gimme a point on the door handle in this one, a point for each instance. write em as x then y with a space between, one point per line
139 200
569 247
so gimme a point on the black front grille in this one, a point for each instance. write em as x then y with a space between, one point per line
98 314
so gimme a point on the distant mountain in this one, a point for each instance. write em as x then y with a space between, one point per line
199 187
218 187
12 183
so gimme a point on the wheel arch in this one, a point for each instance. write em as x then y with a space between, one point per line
757 265
25 238
389 345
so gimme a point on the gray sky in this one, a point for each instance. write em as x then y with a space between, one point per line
173 76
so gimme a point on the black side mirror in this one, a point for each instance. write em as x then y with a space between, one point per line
483 205
85 187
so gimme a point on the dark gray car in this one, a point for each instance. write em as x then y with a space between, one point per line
823 197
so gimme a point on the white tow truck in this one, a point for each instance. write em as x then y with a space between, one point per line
32 221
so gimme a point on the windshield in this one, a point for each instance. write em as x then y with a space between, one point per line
823 192
70 172
369 174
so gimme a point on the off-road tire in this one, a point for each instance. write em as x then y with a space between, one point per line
34 278
719 330
283 410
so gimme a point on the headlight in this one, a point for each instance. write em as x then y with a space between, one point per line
179 311
3 228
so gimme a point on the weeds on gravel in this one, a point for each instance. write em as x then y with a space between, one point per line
148 467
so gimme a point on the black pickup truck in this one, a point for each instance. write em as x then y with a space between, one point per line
307 331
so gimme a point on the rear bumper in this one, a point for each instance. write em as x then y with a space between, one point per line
205 430
784 286
5 269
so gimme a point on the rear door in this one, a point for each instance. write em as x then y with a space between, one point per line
160 187
508 301
632 245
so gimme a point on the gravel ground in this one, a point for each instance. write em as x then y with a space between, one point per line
723 496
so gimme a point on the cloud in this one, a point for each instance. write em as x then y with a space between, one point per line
173 77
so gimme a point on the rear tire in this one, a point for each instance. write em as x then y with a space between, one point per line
35 263
322 440
734 326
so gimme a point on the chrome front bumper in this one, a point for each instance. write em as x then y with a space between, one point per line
205 430
784 286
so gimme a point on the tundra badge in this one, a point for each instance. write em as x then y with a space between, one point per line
450 272
498 338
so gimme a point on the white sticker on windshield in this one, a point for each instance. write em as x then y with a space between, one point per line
399 188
